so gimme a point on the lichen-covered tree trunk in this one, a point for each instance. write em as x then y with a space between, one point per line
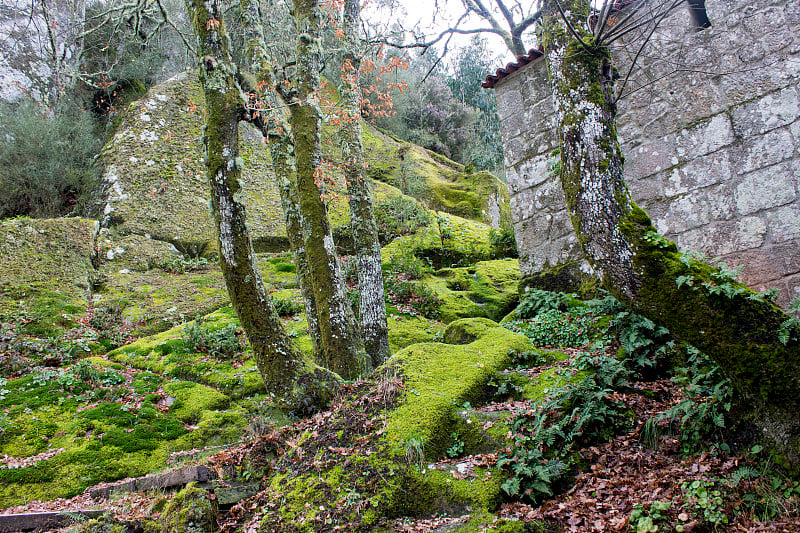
292 379
271 120
372 307
342 345
281 151
736 327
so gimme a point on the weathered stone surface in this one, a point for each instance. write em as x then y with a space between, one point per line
766 188
43 521
46 269
154 180
155 192
710 131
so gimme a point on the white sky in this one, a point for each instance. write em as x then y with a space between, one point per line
421 13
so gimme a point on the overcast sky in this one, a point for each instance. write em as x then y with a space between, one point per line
424 15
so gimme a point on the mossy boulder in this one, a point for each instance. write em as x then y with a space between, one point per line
370 457
154 183
192 510
438 182
167 354
487 289
47 272
442 377
447 240
133 252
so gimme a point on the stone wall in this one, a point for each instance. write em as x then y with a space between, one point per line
710 129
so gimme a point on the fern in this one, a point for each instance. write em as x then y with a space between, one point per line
544 438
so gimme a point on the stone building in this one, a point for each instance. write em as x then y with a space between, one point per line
710 128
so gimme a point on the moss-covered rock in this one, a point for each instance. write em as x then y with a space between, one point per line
166 353
192 510
371 452
154 183
441 377
439 183
47 272
446 241
134 252
487 289
154 179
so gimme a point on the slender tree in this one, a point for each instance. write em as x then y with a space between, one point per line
342 345
372 309
292 379
270 117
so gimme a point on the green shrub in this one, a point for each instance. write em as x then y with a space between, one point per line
545 437
409 265
182 265
411 297
47 164
224 343
286 307
398 216
504 243
538 301
557 328
705 412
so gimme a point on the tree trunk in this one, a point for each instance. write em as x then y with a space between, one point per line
342 346
273 125
372 307
293 380
736 327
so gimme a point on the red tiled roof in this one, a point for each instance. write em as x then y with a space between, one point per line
501 73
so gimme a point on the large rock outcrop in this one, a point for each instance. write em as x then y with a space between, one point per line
154 184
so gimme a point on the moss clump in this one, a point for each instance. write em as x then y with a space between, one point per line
405 331
190 511
440 378
165 353
46 273
192 399
446 241
487 289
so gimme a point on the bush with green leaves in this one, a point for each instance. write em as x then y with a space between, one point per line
398 216
47 166
221 343
645 519
545 437
411 296
504 243
557 328
538 301
408 265
182 265
645 344
705 412
705 499
286 307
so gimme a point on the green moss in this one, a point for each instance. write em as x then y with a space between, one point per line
164 354
190 511
405 331
448 240
439 379
487 289
191 399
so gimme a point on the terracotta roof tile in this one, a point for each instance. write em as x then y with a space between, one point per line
501 73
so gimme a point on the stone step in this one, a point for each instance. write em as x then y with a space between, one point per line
44 521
